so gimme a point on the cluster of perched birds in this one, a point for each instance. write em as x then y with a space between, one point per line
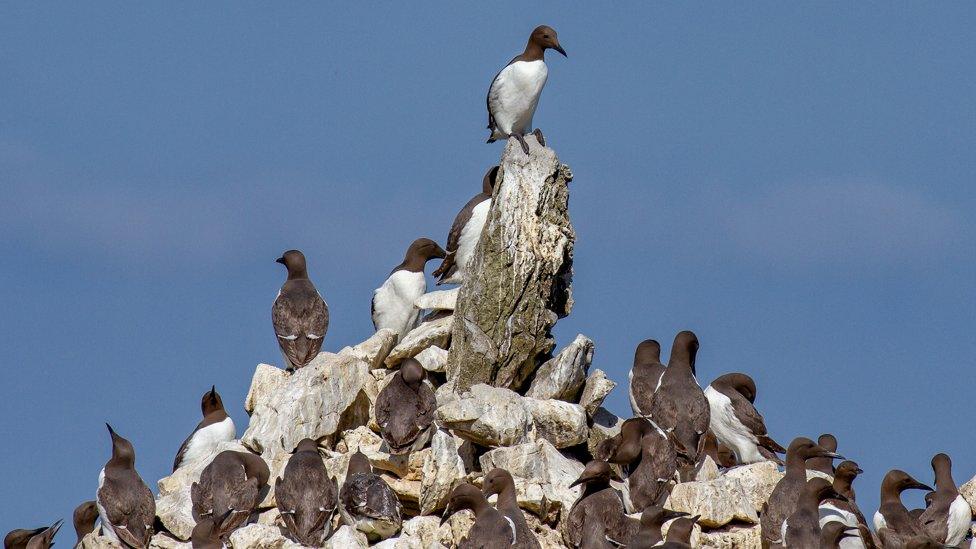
676 426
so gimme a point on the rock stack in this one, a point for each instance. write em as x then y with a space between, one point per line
504 400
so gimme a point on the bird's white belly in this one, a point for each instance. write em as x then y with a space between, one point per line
204 442
393 306
729 430
107 529
514 96
879 521
960 516
830 513
470 235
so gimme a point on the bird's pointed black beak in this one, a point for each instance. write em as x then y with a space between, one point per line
111 431
447 514
921 486
280 260
560 49
670 514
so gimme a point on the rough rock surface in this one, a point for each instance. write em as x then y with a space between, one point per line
732 537
317 402
561 423
493 416
441 470
375 349
718 502
563 375
595 390
436 333
433 359
261 536
542 476
757 479
488 416
438 300
519 280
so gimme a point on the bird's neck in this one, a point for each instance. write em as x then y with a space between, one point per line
533 52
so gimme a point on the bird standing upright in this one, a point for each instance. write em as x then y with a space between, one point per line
466 232
515 90
125 505
679 403
392 306
300 316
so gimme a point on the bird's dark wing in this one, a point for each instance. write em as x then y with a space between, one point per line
643 382
301 319
130 511
746 413
446 268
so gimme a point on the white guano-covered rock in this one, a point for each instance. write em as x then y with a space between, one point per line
374 350
486 415
731 537
493 416
563 375
173 504
718 502
164 541
595 390
95 540
433 359
542 476
318 402
757 479
346 537
561 423
436 333
260 536
442 469
438 300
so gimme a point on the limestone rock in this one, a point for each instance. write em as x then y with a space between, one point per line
718 501
442 468
563 375
260 536
317 402
561 423
374 350
519 279
542 476
438 300
433 359
732 537
423 532
346 537
968 491
488 416
173 504
96 541
595 390
163 541
436 333
605 425
369 443
757 479
707 470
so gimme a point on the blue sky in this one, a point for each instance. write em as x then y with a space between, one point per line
794 182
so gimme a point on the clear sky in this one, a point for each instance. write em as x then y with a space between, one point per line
793 182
